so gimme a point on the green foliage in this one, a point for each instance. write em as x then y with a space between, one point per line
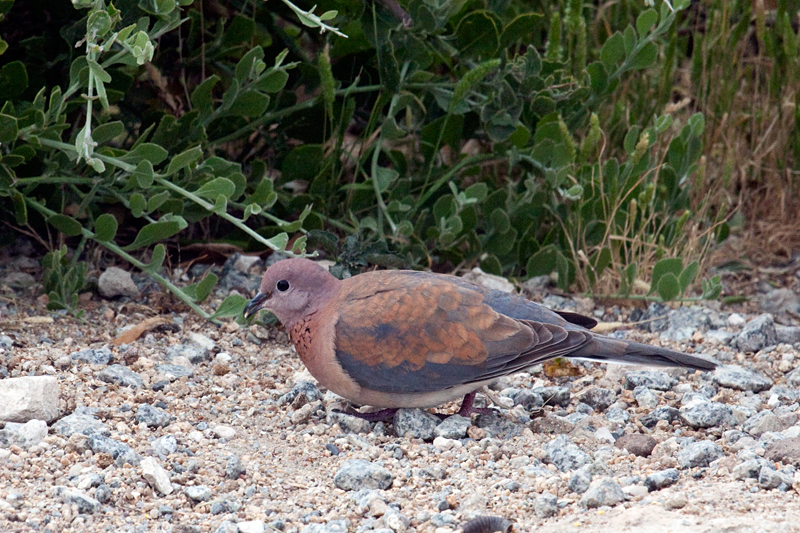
63 279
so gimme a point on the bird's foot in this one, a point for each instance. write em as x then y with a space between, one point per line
468 407
384 415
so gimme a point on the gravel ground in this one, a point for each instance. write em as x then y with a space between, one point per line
198 428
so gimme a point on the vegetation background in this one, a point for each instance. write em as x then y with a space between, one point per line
612 144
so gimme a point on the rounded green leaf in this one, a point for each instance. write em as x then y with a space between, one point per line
688 275
233 305
672 266
105 228
668 287
154 232
215 188
66 225
477 34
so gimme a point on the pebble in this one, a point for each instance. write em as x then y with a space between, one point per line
24 435
152 417
554 395
565 454
598 398
116 282
661 479
637 444
224 432
453 427
678 501
174 372
356 474
701 413
652 379
335 526
101 356
164 446
251 526
787 334
580 479
768 422
193 353
415 423
156 476
227 527
303 389
121 452
545 505
786 451
602 492
736 377
234 468
350 424
199 493
84 502
701 453
645 397
29 398
780 301
757 334
664 412
120 375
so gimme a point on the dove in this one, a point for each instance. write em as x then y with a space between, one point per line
407 339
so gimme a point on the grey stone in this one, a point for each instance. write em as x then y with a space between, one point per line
617 416
334 526
701 453
781 301
554 395
769 478
417 423
602 492
24 435
252 526
198 493
349 424
29 398
102 493
356 474
719 336
164 446
786 451
121 452
664 412
305 390
662 478
757 334
767 421
580 479
175 372
6 342
85 503
526 398
787 334
120 375
598 398
100 356
736 377
652 379
19 280
116 282
565 454
85 424
152 417
706 414
234 467
748 469
194 353
453 427
227 527
645 397
545 505
200 340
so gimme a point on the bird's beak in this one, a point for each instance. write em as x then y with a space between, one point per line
256 304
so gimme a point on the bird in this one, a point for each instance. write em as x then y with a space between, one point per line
394 339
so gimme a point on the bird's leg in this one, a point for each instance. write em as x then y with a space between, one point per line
467 407
384 415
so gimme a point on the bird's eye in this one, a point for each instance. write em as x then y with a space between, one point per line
282 285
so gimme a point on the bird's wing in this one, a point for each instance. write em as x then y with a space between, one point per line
408 334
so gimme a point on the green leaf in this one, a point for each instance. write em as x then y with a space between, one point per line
157 258
668 287
108 131
203 95
563 269
146 152
216 187
249 104
184 159
478 191
144 174
542 262
8 129
613 51
521 29
470 78
233 305
645 21
477 34
631 138
279 242
105 228
272 81
385 177
688 275
491 265
629 39
13 80
203 288
157 201
598 77
672 266
66 225
500 221
99 23
645 58
137 204
98 71
303 163
20 208
155 232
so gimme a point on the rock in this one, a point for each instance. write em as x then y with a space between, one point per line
769 478
637 444
227 527
234 468
787 334
545 505
757 334
24 435
602 492
554 395
702 413
781 301
580 480
768 422
84 424
719 336
335 526
652 379
598 398
396 521
198 493
565 454
116 282
701 453
152 417
85 503
200 340
174 372
748 469
665 412
678 501
101 356
645 397
251 526
552 424
303 392
617 416
156 476
453 427
786 451
121 452
19 280
736 320
224 432
356 474
736 377
29 398
164 446
350 424
662 478
526 398
416 423
120 375
194 353
490 281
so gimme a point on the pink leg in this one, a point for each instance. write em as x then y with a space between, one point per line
467 408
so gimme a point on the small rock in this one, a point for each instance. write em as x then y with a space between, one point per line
565 454
552 425
194 353
490 281
24 435
637 444
198 493
19 280
85 503
234 468
116 282
719 336
786 451
251 526
350 424
757 334
701 453
174 372
678 501
84 424
598 398
768 422
602 492
152 417
227 527
201 340
740 378
545 505
664 412
120 375
662 478
769 478
706 414
156 476
748 469
397 522
453 427
356 474
580 480
554 395
417 423
224 432
101 356
736 320
787 334
303 392
652 379
164 446
780 301
28 398
335 526
121 452
526 398
645 397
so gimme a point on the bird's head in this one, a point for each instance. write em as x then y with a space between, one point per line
292 289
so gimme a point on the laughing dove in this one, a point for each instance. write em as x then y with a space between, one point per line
396 339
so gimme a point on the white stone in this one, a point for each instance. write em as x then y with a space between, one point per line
27 398
224 432
156 476
252 526
444 443
735 319
201 340
244 263
116 282
24 435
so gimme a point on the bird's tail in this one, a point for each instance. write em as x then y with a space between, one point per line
606 349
